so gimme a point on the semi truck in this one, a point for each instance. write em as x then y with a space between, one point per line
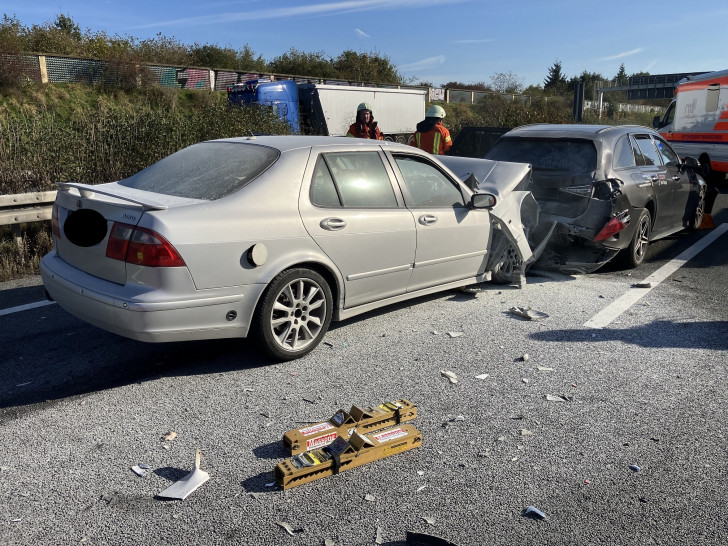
696 122
327 109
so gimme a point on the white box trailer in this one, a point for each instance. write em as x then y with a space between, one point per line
397 111
696 122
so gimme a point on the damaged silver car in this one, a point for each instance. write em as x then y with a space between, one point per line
275 236
603 191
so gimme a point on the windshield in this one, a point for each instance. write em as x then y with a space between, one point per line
575 156
208 170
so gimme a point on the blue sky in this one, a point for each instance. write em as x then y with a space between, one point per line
431 40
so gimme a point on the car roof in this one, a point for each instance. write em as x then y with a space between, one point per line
574 130
294 142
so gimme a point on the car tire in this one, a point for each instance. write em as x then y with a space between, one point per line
635 253
502 271
294 314
697 217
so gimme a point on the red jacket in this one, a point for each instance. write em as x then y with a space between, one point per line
361 130
435 140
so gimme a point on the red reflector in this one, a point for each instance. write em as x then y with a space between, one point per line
141 246
55 226
614 226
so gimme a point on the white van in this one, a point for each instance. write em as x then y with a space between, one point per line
696 122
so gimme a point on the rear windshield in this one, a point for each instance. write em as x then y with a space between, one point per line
575 156
208 170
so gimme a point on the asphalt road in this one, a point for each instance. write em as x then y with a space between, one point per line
79 407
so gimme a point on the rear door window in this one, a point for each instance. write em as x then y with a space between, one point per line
352 179
649 152
623 154
426 185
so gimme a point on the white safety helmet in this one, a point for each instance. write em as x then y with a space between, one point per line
363 106
435 112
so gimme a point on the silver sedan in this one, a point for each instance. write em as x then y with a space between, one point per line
273 237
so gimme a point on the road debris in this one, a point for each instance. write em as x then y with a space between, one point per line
534 513
186 486
369 497
139 471
527 313
456 334
526 432
420 488
525 357
379 539
482 376
428 520
290 530
544 369
558 398
634 467
642 285
451 376
170 436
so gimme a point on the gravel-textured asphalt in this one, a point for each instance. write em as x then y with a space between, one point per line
80 407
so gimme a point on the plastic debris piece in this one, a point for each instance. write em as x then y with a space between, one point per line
502 438
428 520
329 542
642 285
144 466
520 312
16 520
379 539
170 436
482 376
290 530
183 488
533 512
458 418
369 497
421 488
525 380
587 482
450 375
420 472
455 334
558 398
526 432
525 357
435 333
271 484
328 343
544 369
139 471
635 467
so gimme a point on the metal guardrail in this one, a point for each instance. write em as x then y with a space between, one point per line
26 207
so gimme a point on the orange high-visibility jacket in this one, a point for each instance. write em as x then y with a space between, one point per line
436 141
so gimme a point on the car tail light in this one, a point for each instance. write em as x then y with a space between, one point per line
55 226
614 226
141 246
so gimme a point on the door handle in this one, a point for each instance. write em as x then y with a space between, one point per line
332 224
676 178
654 178
427 219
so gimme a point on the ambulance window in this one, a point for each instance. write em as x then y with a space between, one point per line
711 101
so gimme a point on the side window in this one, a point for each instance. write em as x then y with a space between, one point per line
648 150
711 101
360 179
323 190
427 186
639 159
623 155
669 157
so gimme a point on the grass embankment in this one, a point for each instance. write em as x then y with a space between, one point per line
75 133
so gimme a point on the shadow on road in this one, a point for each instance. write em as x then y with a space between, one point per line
657 334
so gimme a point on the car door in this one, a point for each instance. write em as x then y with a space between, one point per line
680 182
356 215
662 186
452 239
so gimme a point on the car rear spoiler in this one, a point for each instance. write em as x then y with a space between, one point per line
88 191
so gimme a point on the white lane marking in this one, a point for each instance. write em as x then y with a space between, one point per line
25 307
621 304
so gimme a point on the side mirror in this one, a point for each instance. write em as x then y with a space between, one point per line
482 201
656 122
691 163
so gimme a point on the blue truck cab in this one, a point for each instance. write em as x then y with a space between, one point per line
281 96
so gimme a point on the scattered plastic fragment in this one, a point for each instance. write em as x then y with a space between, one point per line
16 520
457 418
329 542
139 471
183 488
379 539
635 467
23 384
421 488
435 333
450 375
525 357
144 466
290 530
428 520
642 285
527 313
369 497
533 512
420 472
455 334
544 369
525 380
587 482
170 436
271 484
558 398
482 376
526 432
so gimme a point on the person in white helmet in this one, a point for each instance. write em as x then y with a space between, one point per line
364 126
431 136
